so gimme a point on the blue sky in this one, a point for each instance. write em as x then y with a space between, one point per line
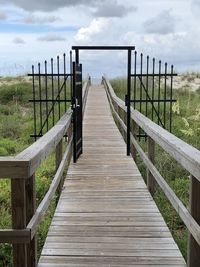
33 31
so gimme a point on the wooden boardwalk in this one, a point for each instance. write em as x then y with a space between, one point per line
105 215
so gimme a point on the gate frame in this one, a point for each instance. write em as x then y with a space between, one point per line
129 49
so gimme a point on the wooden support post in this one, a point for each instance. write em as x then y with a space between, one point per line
59 150
151 156
133 130
193 247
30 210
18 202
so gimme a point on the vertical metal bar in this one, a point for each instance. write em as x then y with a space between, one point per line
171 92
81 109
58 70
46 92
147 86
40 97
153 88
159 81
34 105
128 102
52 92
77 56
74 112
71 78
65 81
141 79
135 78
165 94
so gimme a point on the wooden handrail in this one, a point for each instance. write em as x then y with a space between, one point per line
185 154
25 163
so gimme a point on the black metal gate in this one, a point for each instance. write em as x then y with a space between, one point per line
51 93
150 91
77 111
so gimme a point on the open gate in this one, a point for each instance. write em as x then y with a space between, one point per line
151 93
77 111
53 91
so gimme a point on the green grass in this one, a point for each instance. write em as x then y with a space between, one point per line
186 125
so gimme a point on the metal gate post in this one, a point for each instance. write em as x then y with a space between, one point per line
128 96
74 111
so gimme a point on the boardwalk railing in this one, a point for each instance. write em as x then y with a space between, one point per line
186 155
21 170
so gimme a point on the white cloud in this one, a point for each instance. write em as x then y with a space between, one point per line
195 7
52 37
3 16
49 5
113 9
163 23
18 40
96 27
35 19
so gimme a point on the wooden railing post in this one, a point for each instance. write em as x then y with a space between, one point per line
30 210
193 247
133 130
151 156
59 152
18 202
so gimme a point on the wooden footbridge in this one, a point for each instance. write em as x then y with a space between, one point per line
106 215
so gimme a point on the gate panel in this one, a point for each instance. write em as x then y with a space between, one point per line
152 91
77 111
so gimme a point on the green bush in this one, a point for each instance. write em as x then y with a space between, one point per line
8 147
18 93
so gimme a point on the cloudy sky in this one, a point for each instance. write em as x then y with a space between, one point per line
35 30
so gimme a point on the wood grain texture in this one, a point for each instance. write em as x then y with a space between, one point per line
105 215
